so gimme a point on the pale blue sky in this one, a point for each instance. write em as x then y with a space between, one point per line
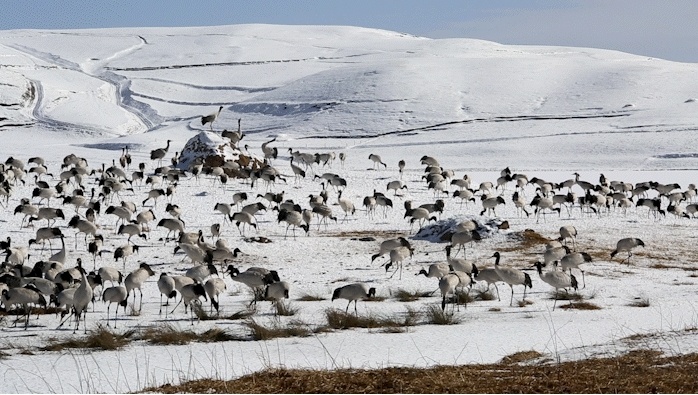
659 28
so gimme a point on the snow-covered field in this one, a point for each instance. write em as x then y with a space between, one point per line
476 106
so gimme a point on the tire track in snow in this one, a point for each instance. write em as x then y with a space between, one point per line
123 95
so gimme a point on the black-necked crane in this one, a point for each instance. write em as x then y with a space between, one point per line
401 167
395 186
553 254
543 203
388 245
244 218
447 285
166 286
520 203
346 205
568 232
460 264
298 173
556 279
111 274
118 295
125 251
46 234
276 291
135 280
353 293
132 229
49 214
573 260
294 219
159 153
376 159
254 279
25 297
325 213
429 161
435 270
173 225
462 237
234 136
397 255
490 203
512 276
201 272
210 118
215 287
490 276
627 245
28 209
81 298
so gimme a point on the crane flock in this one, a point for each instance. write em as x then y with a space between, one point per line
107 220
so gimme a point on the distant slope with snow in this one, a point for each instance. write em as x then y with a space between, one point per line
387 79
347 82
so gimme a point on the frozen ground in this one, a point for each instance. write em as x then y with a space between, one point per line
476 106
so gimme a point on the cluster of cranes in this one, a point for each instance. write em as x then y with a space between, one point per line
92 195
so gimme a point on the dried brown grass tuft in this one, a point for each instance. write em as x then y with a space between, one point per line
337 319
525 240
434 315
580 306
310 298
277 330
403 295
635 372
521 356
640 302
100 338
285 309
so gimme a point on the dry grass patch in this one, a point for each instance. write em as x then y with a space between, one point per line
285 309
100 338
484 295
277 330
580 306
434 315
521 356
524 303
166 335
525 240
640 302
310 298
635 372
403 295
563 295
337 319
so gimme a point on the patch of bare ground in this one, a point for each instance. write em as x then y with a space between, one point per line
583 305
359 234
525 240
636 372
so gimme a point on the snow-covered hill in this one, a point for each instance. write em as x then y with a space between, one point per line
476 106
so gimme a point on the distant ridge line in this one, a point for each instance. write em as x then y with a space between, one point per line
512 118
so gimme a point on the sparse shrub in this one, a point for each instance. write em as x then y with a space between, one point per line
310 298
464 298
338 319
285 309
276 329
403 295
580 306
563 295
434 315
640 302
524 303
100 338
484 295
521 356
